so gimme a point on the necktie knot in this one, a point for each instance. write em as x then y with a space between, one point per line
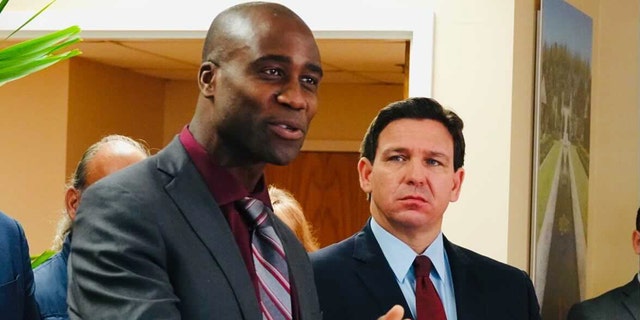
254 210
422 266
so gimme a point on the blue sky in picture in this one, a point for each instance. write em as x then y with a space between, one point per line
564 24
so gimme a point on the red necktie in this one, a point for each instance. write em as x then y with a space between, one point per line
428 304
270 263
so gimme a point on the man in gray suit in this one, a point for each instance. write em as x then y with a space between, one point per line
622 303
169 237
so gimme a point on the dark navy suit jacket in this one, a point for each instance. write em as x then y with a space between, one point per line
51 285
622 303
355 281
17 300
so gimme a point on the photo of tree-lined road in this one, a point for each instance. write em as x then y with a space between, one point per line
562 157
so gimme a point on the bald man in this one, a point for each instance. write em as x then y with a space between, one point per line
172 238
103 158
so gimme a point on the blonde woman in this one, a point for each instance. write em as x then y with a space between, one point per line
288 209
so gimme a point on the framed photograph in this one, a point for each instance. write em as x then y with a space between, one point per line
561 156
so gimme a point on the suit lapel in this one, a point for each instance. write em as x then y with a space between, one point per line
631 298
468 290
190 194
375 273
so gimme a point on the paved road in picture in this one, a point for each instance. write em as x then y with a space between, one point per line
562 286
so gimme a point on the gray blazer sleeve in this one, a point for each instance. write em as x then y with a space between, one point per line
117 267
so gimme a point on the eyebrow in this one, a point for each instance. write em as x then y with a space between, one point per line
315 68
393 150
404 150
284 59
435 154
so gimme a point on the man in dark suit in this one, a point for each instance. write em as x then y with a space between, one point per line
622 303
171 237
17 299
411 167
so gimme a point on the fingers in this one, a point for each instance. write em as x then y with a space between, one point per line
395 313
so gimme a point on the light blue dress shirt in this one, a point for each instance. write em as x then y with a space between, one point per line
400 258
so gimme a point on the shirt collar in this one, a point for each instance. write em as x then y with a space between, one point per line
400 256
224 187
436 253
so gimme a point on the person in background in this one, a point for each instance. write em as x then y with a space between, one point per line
411 168
289 210
622 303
172 236
103 158
17 300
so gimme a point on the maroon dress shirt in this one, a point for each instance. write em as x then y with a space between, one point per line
227 190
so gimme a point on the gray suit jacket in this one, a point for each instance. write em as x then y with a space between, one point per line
622 303
150 242
355 282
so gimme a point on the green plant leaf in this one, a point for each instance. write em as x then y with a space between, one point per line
32 17
22 63
43 257
11 73
29 56
39 43
3 3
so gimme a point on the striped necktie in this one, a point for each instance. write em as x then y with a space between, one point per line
428 304
270 262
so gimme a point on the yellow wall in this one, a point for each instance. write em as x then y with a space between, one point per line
50 118
179 105
106 100
614 176
344 111
33 137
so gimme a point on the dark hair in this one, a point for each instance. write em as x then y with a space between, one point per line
78 179
638 220
415 108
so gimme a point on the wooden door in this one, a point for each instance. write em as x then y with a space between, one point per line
326 185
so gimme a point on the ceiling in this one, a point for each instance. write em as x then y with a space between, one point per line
344 61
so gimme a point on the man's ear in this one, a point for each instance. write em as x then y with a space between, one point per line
206 78
635 240
364 172
458 177
71 201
